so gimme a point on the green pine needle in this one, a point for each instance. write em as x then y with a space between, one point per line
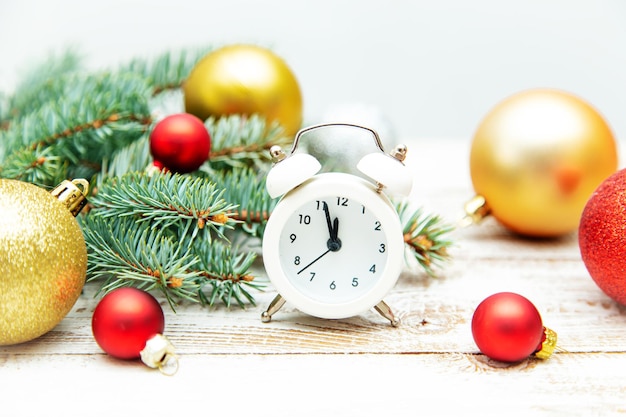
80 128
168 70
240 141
425 237
165 200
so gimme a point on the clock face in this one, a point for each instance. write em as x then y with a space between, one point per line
333 246
333 263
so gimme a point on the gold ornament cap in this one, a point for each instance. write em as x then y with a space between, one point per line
69 193
476 210
548 345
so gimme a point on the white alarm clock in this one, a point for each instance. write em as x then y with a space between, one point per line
333 246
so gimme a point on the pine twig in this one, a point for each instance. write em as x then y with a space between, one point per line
425 237
239 141
39 85
165 200
246 187
79 128
167 71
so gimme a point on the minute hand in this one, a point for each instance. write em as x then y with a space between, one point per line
313 261
328 222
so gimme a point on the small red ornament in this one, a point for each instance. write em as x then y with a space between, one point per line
124 320
180 143
507 327
602 237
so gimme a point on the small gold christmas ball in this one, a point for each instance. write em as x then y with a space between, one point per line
244 79
43 261
536 158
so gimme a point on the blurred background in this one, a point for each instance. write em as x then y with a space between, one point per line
432 68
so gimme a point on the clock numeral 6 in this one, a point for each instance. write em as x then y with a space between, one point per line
332 285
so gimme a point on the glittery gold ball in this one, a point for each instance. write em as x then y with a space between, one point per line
244 79
43 261
537 157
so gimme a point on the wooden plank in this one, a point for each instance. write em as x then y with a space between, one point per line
314 385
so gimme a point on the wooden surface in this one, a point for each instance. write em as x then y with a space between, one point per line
233 364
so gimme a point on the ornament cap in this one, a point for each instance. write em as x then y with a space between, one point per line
159 353
548 345
69 193
476 210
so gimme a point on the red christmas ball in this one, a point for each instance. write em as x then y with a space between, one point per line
507 327
602 237
124 320
180 143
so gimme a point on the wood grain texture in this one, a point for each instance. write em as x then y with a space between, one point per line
231 362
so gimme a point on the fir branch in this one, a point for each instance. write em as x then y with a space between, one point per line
167 71
227 275
39 85
239 141
126 253
80 128
165 200
424 236
4 114
133 158
37 166
246 187
123 252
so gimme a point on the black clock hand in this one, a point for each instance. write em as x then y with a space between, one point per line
313 261
330 227
334 244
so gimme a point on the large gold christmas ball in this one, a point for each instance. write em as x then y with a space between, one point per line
43 261
244 79
536 158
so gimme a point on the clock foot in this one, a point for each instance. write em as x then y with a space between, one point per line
384 310
274 306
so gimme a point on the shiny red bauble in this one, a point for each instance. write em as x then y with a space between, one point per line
507 327
601 236
124 320
180 143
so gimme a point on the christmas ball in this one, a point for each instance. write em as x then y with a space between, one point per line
507 327
244 79
180 143
601 236
536 158
125 320
43 258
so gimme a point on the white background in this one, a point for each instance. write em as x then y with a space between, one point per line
433 68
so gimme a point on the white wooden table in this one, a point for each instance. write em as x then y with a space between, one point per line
233 364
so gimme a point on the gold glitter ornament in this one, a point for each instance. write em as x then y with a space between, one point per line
244 79
535 160
43 257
